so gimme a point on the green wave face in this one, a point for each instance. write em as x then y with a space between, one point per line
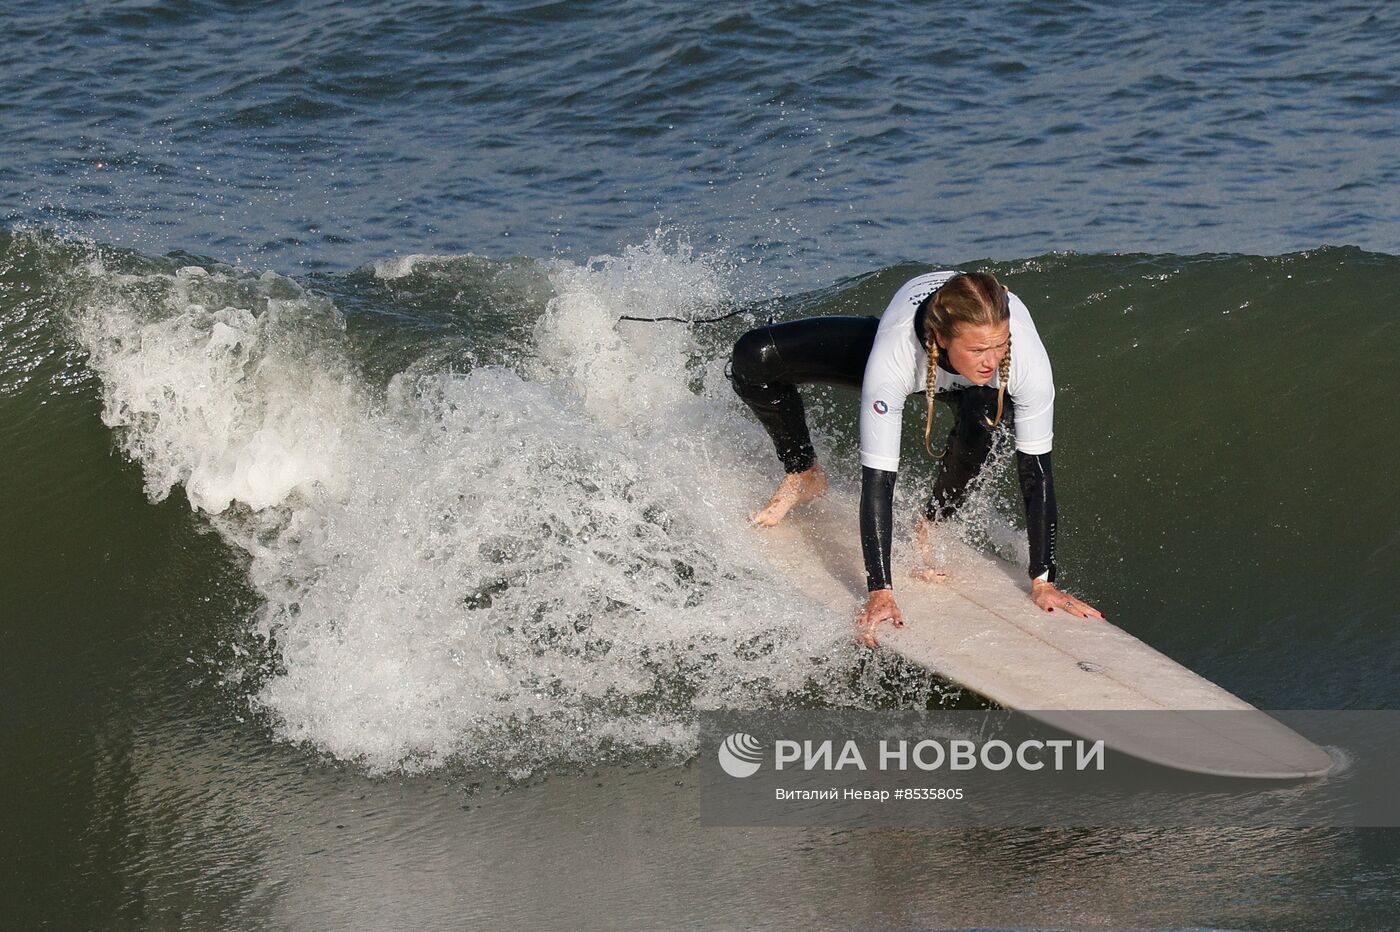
447 508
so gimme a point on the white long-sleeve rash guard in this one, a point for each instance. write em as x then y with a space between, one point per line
896 368
898 363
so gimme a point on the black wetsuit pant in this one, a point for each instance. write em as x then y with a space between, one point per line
770 362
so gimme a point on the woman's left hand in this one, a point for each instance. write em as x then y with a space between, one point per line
1049 598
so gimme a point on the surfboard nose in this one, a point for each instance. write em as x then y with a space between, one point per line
1246 743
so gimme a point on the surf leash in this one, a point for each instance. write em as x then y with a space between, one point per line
684 320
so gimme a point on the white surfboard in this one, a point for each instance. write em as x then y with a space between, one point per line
980 630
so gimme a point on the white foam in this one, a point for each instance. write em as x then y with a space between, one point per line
238 402
510 566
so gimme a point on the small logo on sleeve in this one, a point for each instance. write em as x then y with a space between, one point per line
880 407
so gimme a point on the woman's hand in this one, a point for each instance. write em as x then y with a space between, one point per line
1049 598
879 607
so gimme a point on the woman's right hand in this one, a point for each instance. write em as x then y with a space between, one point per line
879 607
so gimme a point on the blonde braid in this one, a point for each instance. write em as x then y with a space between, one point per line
1004 373
930 383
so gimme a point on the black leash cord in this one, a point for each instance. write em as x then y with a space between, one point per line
684 320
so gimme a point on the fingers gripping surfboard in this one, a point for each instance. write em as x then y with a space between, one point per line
980 629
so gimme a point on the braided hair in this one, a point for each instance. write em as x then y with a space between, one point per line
968 298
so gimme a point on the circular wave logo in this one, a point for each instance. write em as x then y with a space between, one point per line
880 407
740 755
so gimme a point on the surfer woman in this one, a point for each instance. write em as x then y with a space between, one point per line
950 335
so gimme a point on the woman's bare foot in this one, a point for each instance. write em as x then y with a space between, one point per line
923 536
796 488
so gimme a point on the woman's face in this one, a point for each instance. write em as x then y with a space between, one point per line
978 350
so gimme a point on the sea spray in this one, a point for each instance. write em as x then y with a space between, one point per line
231 386
506 564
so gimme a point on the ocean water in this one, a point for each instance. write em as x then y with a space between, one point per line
362 570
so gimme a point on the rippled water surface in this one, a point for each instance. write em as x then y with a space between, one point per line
830 138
